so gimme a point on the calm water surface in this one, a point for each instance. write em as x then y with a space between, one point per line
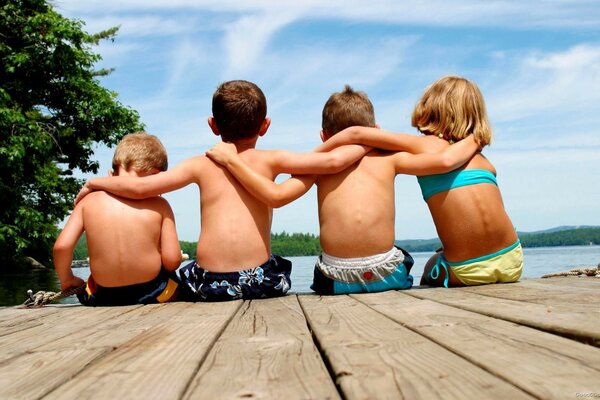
538 261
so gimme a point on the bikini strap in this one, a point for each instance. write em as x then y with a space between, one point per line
436 270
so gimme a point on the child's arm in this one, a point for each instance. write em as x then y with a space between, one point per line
170 251
142 187
63 249
376 137
318 162
445 161
272 194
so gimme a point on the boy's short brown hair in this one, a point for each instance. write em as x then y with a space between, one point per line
141 152
453 108
239 109
347 108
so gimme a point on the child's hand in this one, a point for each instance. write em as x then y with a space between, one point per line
85 190
73 282
222 153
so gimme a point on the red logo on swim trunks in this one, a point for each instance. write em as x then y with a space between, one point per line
368 275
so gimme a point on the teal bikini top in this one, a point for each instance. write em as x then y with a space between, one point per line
433 184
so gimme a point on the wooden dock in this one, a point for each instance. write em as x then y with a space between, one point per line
536 339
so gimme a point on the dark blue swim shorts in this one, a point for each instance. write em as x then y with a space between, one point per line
272 279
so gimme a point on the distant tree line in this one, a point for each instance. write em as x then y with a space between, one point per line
572 237
295 244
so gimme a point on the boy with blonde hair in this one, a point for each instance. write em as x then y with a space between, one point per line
132 244
233 258
356 205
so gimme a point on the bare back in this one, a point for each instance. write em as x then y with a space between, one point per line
356 208
471 220
123 238
236 227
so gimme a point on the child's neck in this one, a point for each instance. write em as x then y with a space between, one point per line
245 144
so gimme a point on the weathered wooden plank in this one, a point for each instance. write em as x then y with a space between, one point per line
12 316
157 356
52 326
540 292
31 376
266 352
579 323
29 370
375 357
14 320
568 281
545 365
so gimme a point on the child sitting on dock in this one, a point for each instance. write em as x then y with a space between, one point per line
132 243
233 258
480 244
356 205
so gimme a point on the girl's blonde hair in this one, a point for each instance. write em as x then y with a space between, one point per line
141 152
453 108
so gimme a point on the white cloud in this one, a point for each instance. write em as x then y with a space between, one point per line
560 82
247 37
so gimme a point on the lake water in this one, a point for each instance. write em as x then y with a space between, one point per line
538 261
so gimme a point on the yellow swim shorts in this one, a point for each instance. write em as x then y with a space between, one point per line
502 266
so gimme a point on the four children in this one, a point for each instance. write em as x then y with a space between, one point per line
355 195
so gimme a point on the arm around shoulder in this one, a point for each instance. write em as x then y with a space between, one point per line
375 138
272 194
136 188
458 153
447 160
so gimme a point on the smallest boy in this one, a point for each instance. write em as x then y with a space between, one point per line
131 243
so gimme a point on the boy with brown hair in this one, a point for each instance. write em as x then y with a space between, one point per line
233 258
356 205
132 244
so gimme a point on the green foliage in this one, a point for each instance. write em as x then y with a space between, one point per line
81 249
296 244
571 237
189 248
52 112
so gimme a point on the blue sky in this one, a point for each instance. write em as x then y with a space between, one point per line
537 64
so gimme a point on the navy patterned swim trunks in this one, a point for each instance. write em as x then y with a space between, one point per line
272 279
161 289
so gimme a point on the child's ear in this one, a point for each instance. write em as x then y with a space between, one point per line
377 126
265 126
213 126
111 172
323 135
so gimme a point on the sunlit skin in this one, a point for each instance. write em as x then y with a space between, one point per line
235 226
470 221
356 205
129 241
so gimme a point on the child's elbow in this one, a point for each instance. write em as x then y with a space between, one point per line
337 163
277 203
447 163
61 247
275 200
172 262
